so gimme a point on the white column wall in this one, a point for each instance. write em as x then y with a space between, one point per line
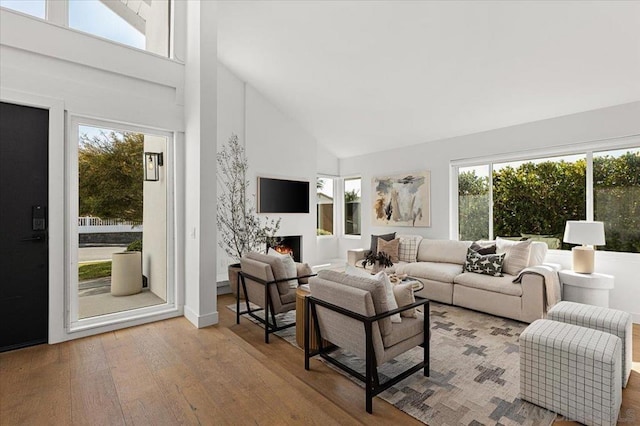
200 171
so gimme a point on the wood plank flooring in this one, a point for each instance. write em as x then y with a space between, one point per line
171 373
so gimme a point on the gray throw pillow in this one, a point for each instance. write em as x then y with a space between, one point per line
374 241
483 248
487 264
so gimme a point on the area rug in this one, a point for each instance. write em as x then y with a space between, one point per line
475 372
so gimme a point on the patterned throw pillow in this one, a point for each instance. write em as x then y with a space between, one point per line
389 247
487 264
408 249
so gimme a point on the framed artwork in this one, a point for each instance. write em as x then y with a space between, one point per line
402 200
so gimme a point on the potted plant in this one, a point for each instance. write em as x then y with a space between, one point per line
240 228
379 261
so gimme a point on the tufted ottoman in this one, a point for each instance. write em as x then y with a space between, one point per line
618 323
572 370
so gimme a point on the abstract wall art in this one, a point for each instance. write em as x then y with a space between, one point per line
402 200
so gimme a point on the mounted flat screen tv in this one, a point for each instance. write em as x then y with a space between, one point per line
282 196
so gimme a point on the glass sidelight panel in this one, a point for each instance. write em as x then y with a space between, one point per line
122 222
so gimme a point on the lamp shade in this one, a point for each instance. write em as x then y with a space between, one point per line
584 232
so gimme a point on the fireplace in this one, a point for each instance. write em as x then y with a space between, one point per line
291 244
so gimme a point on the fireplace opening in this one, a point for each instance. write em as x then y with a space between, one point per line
291 244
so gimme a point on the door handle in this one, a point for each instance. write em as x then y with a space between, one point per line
36 238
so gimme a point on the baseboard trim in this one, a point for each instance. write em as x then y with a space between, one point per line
200 321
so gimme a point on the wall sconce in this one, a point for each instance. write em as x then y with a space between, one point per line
152 163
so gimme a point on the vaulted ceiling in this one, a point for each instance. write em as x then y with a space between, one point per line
365 76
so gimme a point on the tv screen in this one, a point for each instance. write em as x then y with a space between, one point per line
282 196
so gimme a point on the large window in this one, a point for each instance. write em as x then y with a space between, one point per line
352 214
35 8
473 203
616 197
143 24
324 195
534 198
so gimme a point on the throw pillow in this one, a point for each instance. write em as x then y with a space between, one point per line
390 248
374 240
391 300
404 296
289 266
303 269
484 247
517 254
408 249
487 264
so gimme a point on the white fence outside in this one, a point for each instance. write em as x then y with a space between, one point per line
96 225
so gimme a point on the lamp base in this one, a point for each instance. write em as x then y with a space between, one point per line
583 259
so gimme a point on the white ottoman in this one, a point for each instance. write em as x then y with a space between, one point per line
572 370
618 323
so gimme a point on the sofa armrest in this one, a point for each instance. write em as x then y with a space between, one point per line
533 298
354 255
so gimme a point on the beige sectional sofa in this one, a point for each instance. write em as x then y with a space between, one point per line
439 267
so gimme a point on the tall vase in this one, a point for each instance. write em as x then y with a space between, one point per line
234 280
376 267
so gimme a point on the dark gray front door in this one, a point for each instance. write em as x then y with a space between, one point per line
24 259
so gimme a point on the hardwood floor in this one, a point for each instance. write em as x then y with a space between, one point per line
171 373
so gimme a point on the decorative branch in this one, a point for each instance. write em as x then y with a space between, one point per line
241 230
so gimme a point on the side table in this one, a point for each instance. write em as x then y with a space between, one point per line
301 307
590 289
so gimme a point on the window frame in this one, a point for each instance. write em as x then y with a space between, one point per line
73 324
586 148
344 210
334 180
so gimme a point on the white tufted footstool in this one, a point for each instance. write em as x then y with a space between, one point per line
572 370
618 323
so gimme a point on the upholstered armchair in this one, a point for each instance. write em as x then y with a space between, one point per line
270 283
352 313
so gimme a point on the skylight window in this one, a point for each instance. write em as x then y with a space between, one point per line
35 8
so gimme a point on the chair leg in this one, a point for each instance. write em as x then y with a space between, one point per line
266 313
306 333
369 366
427 341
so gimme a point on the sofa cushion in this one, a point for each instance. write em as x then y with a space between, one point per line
538 253
408 328
289 265
487 264
502 285
444 272
278 269
403 293
445 251
374 240
517 254
484 247
375 287
390 248
408 250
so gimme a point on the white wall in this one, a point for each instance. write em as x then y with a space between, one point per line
154 235
576 129
276 146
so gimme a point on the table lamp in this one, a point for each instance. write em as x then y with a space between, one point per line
587 233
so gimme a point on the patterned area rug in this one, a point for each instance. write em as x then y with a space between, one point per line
475 372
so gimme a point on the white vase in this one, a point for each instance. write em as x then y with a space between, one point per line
126 273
